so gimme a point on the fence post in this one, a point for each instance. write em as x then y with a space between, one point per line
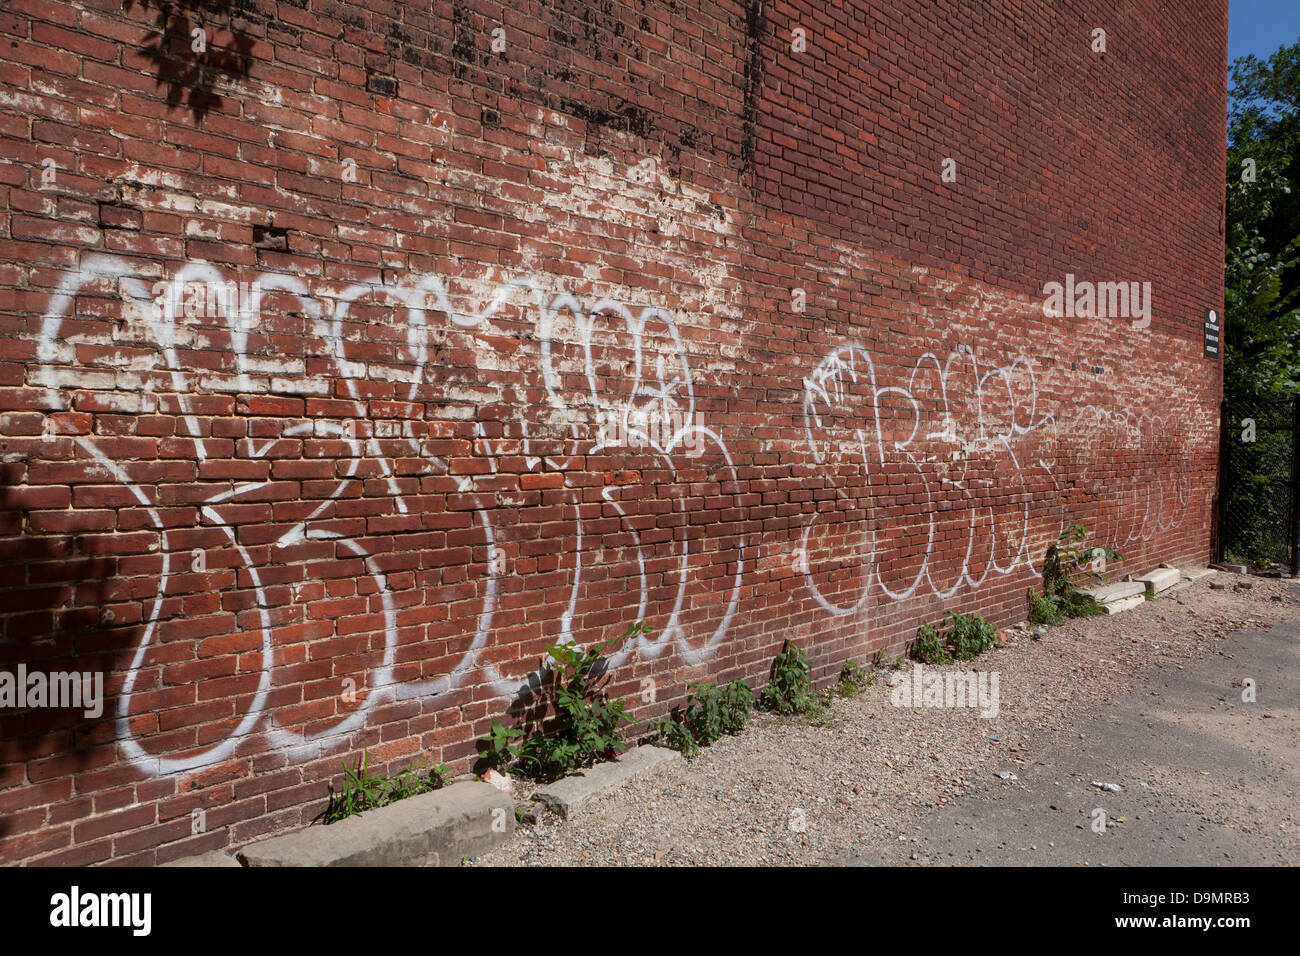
1295 486
1220 506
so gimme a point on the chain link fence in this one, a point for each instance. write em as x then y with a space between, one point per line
1257 497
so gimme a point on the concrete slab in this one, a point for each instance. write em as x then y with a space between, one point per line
1106 593
1126 604
566 796
1197 574
432 829
1161 579
1231 568
211 858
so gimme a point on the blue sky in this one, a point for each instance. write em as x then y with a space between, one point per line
1261 26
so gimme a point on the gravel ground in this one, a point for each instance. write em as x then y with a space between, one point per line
786 793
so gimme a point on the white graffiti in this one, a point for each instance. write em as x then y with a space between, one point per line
952 475
649 406
422 419
951 432
1132 463
180 366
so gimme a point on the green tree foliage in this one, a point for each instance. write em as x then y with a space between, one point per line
1262 263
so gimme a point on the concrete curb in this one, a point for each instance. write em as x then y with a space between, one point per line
432 829
211 858
567 795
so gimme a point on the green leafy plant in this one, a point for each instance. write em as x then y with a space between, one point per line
884 661
719 710
1065 564
362 790
790 684
710 712
929 648
586 726
970 635
496 748
789 689
854 679
675 735
961 637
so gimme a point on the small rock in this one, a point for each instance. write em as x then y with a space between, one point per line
1112 787
1005 775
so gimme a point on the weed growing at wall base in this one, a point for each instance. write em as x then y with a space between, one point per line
928 648
789 691
854 679
710 712
362 790
970 635
1066 561
586 727
963 637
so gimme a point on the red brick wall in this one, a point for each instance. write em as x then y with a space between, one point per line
642 315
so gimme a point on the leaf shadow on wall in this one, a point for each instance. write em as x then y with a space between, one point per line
51 593
189 64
